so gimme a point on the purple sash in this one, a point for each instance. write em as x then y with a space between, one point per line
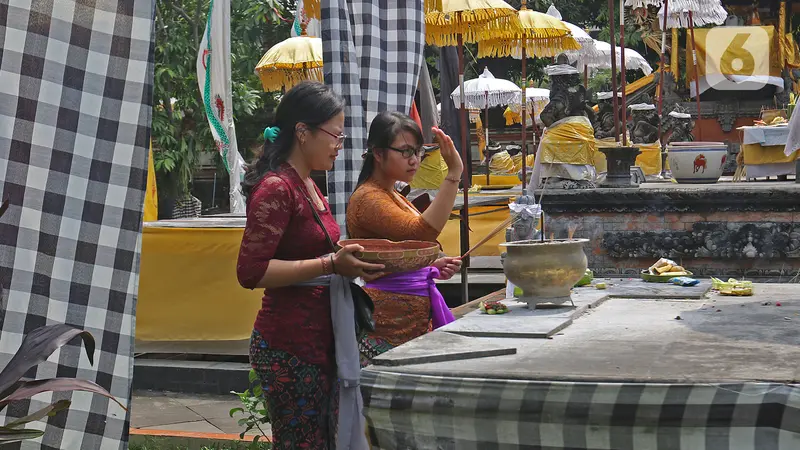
419 283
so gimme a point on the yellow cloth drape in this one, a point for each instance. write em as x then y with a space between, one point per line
569 141
432 172
481 223
650 158
791 51
481 136
501 164
755 154
188 289
512 117
726 66
151 192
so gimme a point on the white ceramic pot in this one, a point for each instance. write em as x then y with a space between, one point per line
697 162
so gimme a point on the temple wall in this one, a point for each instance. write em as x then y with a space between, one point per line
724 233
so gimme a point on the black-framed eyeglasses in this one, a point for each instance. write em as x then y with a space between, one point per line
340 138
409 152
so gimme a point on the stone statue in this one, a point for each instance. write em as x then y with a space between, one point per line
680 123
643 125
527 214
604 123
567 95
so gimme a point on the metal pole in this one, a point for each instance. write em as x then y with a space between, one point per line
614 103
466 183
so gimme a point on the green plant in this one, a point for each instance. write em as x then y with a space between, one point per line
180 129
36 347
254 410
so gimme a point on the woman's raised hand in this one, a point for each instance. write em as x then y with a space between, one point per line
449 153
346 264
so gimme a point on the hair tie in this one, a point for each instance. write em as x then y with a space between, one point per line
271 133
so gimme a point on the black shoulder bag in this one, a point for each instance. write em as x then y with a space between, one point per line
362 303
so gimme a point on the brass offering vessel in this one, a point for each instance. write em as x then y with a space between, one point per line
545 270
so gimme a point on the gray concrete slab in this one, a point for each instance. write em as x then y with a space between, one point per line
713 340
522 322
638 288
441 347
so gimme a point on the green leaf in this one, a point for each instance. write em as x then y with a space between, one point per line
49 410
10 435
37 346
27 389
236 411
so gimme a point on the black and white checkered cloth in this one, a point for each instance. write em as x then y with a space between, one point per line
428 412
373 52
75 107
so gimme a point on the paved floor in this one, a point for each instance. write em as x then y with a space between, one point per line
158 411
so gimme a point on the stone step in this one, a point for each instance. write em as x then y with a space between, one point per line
190 377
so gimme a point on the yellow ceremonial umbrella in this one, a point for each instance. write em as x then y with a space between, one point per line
539 35
456 22
290 62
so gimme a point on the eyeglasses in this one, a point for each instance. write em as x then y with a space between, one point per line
339 137
409 152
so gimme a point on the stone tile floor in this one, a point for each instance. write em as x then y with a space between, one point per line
166 411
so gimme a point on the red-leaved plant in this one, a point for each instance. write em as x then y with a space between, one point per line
36 347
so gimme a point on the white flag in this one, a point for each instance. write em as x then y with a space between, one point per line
214 78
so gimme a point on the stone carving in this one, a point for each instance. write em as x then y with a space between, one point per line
604 122
643 125
726 113
780 198
524 227
567 96
680 123
718 240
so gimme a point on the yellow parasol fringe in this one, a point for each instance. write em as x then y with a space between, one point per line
291 61
499 48
275 80
470 19
433 5
447 35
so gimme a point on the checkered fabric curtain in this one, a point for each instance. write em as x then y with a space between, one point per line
75 107
373 52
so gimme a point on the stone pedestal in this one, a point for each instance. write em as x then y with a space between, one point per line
619 161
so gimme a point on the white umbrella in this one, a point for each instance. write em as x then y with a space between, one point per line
537 99
580 35
486 91
602 59
704 12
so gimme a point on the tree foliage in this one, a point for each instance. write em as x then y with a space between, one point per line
180 128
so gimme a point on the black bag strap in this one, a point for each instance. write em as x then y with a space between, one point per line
317 219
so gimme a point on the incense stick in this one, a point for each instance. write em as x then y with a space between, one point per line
491 234
571 231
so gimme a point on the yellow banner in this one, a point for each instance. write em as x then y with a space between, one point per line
151 192
432 172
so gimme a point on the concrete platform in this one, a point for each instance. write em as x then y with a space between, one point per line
712 340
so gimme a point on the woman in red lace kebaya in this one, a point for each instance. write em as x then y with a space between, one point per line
283 247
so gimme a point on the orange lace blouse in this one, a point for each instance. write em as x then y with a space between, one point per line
375 213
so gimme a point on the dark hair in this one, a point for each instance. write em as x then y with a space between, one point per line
308 102
384 129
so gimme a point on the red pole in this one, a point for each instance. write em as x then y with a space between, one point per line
614 103
466 183
696 77
661 69
623 73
